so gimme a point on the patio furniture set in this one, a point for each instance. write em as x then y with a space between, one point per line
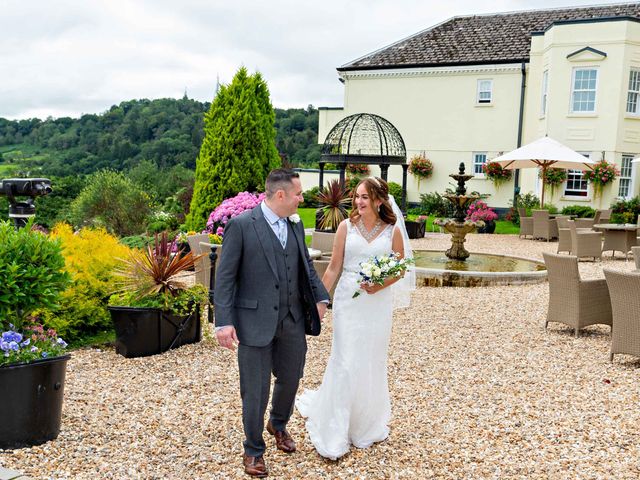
582 237
613 301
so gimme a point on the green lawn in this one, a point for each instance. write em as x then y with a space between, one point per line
502 226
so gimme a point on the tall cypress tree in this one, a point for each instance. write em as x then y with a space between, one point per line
238 149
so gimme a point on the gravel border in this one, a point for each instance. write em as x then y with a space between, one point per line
479 390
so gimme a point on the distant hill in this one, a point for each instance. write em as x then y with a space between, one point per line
167 132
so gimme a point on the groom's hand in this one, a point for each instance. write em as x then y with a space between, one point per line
322 309
227 337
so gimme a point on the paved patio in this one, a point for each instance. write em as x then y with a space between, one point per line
479 390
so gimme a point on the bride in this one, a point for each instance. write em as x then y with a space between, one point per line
352 405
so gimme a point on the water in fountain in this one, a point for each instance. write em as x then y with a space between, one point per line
457 226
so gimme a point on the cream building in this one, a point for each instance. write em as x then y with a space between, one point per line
475 86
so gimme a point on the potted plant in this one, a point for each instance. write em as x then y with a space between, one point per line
334 200
479 211
32 360
155 310
416 228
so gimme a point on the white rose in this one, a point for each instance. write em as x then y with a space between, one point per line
376 272
295 218
392 263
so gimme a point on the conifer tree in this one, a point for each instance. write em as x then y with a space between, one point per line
238 149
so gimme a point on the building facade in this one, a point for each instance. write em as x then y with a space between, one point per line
474 87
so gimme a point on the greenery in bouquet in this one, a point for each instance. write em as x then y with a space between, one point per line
494 172
32 343
378 268
229 208
602 174
479 210
153 279
421 167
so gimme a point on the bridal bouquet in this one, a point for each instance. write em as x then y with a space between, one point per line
378 268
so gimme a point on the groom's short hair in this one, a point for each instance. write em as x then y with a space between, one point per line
279 179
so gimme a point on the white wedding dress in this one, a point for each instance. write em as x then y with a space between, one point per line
352 405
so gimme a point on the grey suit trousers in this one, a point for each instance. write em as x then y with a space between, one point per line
288 348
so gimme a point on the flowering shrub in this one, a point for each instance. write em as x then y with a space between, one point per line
494 172
421 218
603 173
358 169
479 210
215 238
229 208
420 166
34 343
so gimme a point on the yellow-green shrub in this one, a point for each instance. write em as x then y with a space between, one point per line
90 258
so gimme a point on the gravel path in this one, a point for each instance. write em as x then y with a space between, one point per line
479 390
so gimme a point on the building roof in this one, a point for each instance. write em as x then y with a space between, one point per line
482 39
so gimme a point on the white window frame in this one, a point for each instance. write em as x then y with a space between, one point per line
480 89
475 163
545 88
633 92
574 173
628 178
574 91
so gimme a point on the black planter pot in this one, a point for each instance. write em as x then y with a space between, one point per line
147 331
489 227
415 229
31 402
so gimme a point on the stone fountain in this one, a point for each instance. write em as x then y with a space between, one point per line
457 226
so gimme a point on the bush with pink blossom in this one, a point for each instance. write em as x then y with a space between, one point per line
229 208
479 210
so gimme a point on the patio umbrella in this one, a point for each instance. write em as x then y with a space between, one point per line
544 153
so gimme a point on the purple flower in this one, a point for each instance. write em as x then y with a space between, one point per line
62 343
26 342
45 354
11 336
4 346
14 346
34 349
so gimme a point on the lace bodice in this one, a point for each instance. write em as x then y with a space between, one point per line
358 250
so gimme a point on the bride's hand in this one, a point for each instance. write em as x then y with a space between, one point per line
371 289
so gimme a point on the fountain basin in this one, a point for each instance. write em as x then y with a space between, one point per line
435 269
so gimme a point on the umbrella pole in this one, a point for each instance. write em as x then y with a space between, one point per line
544 175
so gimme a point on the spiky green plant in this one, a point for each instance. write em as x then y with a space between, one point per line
334 199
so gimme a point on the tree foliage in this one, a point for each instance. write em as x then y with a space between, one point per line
111 200
239 148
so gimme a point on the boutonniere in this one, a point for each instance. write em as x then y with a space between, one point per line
295 218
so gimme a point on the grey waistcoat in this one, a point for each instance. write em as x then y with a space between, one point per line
287 263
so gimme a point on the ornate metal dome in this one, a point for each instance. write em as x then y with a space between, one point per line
364 138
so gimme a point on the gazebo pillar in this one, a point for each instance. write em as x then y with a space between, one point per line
321 178
343 167
384 170
405 167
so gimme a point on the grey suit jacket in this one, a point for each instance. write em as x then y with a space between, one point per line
245 293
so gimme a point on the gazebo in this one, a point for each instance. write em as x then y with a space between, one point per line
365 138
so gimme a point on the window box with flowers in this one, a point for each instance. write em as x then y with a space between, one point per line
32 359
420 167
602 174
494 172
479 211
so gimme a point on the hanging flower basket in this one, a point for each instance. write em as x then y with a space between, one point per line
494 172
603 174
553 178
421 167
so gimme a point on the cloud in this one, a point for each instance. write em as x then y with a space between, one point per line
70 56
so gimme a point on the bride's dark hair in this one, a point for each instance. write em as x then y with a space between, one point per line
377 189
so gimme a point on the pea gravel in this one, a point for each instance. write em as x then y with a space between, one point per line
479 390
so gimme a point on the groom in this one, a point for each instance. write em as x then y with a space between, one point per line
267 295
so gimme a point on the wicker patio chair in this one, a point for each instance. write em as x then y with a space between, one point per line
564 234
526 223
588 222
573 301
636 256
624 288
203 264
543 226
584 242
605 215
323 241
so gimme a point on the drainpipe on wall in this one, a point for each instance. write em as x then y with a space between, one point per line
516 183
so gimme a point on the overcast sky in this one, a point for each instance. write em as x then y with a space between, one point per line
66 57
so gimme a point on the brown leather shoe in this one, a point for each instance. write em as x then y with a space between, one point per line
284 441
254 466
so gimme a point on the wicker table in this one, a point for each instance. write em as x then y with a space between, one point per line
618 237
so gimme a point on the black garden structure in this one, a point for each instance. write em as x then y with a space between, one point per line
365 139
